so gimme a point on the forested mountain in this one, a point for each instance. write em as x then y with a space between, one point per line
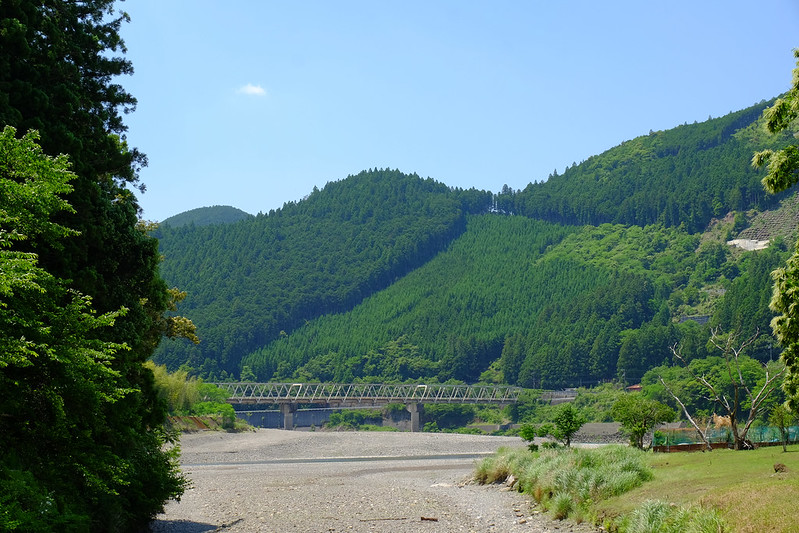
554 305
686 175
205 216
254 280
386 276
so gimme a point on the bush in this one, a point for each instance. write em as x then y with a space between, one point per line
373 427
187 395
449 416
490 415
582 476
353 418
395 411
431 427
466 431
207 392
225 410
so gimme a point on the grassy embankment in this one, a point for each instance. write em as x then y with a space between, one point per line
743 486
632 491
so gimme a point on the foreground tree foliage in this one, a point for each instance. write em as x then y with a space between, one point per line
59 384
783 173
89 304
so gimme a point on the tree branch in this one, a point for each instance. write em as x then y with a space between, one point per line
687 414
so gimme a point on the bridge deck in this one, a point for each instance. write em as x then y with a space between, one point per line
337 394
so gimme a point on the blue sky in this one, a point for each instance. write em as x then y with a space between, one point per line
252 103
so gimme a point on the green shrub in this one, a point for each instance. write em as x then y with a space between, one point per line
211 393
466 431
431 427
449 416
354 418
490 415
581 476
374 427
225 410
497 468
395 411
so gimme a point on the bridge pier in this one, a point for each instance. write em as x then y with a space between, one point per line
416 410
288 410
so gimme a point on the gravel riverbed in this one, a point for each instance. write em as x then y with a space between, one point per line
273 480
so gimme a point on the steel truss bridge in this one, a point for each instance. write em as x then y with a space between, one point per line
357 394
290 395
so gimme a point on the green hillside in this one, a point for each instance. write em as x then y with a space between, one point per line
389 276
205 216
552 305
682 176
250 282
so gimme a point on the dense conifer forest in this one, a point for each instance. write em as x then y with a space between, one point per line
205 216
682 176
253 281
388 276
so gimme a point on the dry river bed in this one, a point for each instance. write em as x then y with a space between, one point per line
273 480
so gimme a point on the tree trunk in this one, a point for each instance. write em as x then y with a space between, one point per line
701 433
737 442
740 440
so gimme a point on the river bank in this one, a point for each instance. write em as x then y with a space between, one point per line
275 481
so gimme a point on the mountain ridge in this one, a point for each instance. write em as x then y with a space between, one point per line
204 216
355 239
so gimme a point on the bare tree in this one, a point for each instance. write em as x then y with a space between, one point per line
702 434
743 393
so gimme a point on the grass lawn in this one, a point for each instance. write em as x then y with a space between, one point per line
741 485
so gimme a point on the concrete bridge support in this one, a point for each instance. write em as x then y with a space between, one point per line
416 410
288 410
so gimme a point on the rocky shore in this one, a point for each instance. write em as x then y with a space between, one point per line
290 481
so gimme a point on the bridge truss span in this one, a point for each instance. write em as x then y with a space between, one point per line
358 394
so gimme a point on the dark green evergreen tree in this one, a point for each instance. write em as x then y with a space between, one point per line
59 66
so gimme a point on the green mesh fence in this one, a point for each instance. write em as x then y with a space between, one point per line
758 435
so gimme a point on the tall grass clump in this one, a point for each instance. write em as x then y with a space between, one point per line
562 505
497 468
655 516
581 476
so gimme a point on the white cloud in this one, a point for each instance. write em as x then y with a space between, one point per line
252 90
